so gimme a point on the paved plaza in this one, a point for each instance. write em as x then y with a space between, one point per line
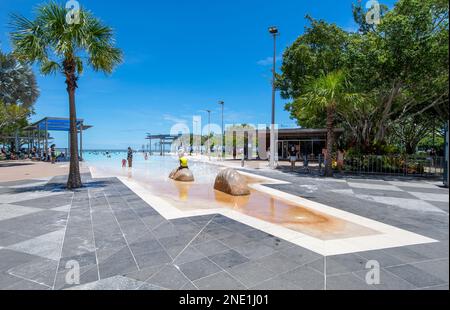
121 242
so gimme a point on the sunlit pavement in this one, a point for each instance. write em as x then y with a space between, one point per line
120 242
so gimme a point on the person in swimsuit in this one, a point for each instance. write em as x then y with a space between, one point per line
130 157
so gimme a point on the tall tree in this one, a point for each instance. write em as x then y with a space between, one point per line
404 61
327 93
58 46
319 51
400 65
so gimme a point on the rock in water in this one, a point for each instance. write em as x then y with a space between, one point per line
231 182
182 175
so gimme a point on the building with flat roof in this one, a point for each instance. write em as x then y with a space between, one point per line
305 141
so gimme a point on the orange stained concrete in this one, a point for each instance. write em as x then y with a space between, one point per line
189 196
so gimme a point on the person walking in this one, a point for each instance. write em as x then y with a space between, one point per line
130 157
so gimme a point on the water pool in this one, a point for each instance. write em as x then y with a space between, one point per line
200 195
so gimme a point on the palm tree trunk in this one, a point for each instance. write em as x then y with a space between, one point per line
330 141
74 180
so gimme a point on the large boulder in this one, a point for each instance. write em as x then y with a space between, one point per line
229 181
182 175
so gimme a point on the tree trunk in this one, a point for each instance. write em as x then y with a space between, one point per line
74 180
330 141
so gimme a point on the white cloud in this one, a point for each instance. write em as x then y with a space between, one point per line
174 119
268 61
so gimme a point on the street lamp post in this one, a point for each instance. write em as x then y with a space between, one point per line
149 137
209 133
222 103
193 137
274 32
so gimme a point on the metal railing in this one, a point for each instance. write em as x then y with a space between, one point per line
396 165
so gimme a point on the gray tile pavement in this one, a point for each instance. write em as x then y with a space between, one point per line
120 242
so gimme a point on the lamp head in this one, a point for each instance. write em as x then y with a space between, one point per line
273 30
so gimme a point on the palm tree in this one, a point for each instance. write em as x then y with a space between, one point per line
327 93
58 46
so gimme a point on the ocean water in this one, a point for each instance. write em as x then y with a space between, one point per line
153 168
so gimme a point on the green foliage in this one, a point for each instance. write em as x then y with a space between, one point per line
399 68
429 141
17 82
327 90
316 53
407 165
18 93
407 133
12 117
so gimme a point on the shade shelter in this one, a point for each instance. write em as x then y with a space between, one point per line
162 141
39 132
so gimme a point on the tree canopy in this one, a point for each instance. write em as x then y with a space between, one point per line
399 67
18 93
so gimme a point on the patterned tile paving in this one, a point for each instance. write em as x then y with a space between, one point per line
120 242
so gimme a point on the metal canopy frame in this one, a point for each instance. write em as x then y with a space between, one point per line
39 137
163 141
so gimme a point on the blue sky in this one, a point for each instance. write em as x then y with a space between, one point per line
181 57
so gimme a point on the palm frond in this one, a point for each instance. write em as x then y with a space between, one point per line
79 65
28 38
33 40
105 58
332 88
99 43
50 67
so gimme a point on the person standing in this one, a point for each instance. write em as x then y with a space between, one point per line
293 157
130 157
53 153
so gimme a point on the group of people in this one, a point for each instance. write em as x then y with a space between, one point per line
293 156
49 156
33 154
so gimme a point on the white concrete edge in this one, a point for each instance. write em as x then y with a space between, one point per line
266 179
388 237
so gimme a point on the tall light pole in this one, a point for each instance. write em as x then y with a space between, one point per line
149 137
194 129
274 32
209 133
222 103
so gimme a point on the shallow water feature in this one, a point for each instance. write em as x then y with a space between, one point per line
153 174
